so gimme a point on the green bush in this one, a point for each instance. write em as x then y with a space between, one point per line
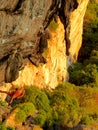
28 108
53 25
4 127
10 128
30 94
88 104
87 120
41 118
94 53
20 116
93 59
41 103
83 75
37 97
65 105
24 110
90 31
2 103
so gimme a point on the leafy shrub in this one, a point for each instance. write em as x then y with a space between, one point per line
94 53
53 25
41 103
10 128
88 104
83 75
41 118
2 103
28 108
37 97
87 120
4 127
88 99
90 31
24 110
90 73
65 106
20 116
93 59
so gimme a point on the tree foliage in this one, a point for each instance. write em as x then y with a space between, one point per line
90 31
24 110
65 105
4 127
83 75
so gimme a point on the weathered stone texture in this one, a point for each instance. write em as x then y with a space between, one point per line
23 23
76 30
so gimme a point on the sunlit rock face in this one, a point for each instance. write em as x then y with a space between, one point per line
4 87
55 70
48 74
76 30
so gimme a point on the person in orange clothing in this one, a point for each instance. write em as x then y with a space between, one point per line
14 94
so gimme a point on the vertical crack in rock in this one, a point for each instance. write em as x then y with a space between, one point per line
63 9
18 6
67 6
56 4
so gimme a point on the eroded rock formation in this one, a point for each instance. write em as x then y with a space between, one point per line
27 43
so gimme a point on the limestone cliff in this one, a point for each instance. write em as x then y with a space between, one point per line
31 53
